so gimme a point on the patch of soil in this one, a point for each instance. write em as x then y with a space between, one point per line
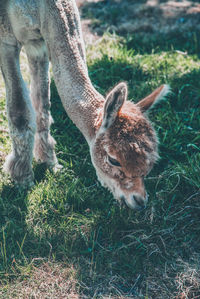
134 16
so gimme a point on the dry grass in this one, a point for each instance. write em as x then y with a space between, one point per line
49 280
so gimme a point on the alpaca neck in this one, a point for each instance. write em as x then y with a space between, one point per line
65 44
81 101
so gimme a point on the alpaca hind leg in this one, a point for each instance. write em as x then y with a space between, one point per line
44 151
21 117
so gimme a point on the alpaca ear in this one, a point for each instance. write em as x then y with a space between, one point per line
114 101
152 99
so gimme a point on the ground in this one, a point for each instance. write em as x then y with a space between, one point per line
67 237
144 17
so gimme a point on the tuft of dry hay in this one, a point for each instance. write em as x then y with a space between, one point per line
188 280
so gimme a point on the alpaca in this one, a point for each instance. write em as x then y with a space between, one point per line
122 141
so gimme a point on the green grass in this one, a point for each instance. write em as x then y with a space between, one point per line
67 235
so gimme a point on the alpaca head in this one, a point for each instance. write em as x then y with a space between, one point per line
125 146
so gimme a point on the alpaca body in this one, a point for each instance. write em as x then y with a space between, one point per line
50 30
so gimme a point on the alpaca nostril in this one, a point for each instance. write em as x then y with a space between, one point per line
140 202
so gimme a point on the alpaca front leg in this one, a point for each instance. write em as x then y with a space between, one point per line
21 118
44 148
19 162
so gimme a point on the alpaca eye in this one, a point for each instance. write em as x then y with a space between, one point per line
113 162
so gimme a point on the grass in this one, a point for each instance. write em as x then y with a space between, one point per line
68 238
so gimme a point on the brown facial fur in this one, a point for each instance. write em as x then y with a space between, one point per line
132 141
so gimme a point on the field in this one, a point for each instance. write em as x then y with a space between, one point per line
67 237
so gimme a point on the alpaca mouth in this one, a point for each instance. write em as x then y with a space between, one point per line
137 203
140 203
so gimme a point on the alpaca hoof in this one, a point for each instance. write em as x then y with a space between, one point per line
24 185
57 167
20 171
25 182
